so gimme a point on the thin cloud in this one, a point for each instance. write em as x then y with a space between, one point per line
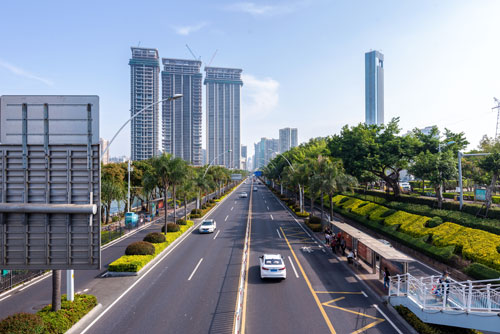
259 96
186 30
265 10
23 73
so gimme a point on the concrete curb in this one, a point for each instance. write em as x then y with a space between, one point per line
176 241
76 328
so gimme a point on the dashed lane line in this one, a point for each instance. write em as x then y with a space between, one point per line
216 234
226 218
279 235
293 267
196 268
272 218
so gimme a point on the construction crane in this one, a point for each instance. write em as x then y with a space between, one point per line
497 107
212 59
192 53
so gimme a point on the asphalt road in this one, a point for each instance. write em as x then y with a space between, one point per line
319 295
193 289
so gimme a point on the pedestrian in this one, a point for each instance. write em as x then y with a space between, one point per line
328 238
339 235
334 244
444 282
342 245
350 257
387 279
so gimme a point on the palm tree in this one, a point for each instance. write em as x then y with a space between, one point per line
149 185
161 165
202 184
187 189
177 174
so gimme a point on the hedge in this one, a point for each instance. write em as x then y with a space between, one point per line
134 263
480 272
424 328
47 322
473 244
154 237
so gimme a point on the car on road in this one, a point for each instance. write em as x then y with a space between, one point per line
243 195
208 226
272 266
254 188
131 219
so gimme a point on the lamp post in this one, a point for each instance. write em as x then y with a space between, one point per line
171 98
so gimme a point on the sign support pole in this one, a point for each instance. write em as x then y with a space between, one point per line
70 285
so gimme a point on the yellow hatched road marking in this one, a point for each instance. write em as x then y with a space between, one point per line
316 299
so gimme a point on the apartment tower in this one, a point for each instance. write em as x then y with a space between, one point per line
182 118
288 138
144 91
374 87
223 87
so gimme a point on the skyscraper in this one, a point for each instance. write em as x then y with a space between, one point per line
243 157
103 143
182 118
374 87
288 138
144 90
223 115
265 150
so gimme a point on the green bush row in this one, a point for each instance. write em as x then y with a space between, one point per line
134 263
47 322
480 271
424 328
461 218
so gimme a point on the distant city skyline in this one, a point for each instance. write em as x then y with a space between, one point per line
374 87
288 138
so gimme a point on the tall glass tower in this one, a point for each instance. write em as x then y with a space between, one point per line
144 90
374 87
182 118
223 115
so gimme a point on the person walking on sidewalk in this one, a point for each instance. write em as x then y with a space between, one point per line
334 244
387 276
328 237
342 245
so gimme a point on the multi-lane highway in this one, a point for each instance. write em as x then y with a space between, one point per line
193 287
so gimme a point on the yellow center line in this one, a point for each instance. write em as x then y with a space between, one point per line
316 299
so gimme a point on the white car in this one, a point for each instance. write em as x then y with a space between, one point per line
254 188
208 226
243 195
272 266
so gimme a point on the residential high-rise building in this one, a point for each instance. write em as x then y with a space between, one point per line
144 91
243 157
223 115
288 138
103 143
265 150
182 118
374 87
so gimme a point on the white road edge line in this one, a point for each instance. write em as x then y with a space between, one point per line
272 217
216 234
387 318
32 283
279 235
364 293
5 297
293 267
196 268
267 208
226 218
85 290
232 208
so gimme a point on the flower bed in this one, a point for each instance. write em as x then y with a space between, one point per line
134 263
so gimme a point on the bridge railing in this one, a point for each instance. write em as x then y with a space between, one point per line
430 293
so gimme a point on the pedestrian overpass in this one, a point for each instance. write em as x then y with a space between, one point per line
469 304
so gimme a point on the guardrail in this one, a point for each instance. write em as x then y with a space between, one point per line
430 293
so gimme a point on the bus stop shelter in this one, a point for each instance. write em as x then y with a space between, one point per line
372 251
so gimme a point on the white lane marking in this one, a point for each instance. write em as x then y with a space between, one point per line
364 294
32 283
387 318
196 268
85 290
5 297
279 235
265 201
216 234
226 218
293 267
272 217
267 208
232 208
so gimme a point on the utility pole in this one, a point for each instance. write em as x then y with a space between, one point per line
497 107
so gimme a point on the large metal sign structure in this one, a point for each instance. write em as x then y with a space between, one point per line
49 182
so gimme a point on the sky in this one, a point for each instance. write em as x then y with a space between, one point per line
302 60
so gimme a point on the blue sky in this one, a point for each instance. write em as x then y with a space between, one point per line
303 61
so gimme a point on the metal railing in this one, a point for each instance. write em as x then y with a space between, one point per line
11 278
430 293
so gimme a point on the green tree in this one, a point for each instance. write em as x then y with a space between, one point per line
112 186
490 164
177 173
161 166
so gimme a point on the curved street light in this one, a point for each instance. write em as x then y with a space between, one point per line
210 164
171 98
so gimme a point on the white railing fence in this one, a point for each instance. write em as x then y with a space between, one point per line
431 294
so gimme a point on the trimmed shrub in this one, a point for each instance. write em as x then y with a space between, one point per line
387 213
22 323
343 200
155 237
181 222
313 220
172 227
195 211
480 272
363 204
302 214
315 227
140 248
435 221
